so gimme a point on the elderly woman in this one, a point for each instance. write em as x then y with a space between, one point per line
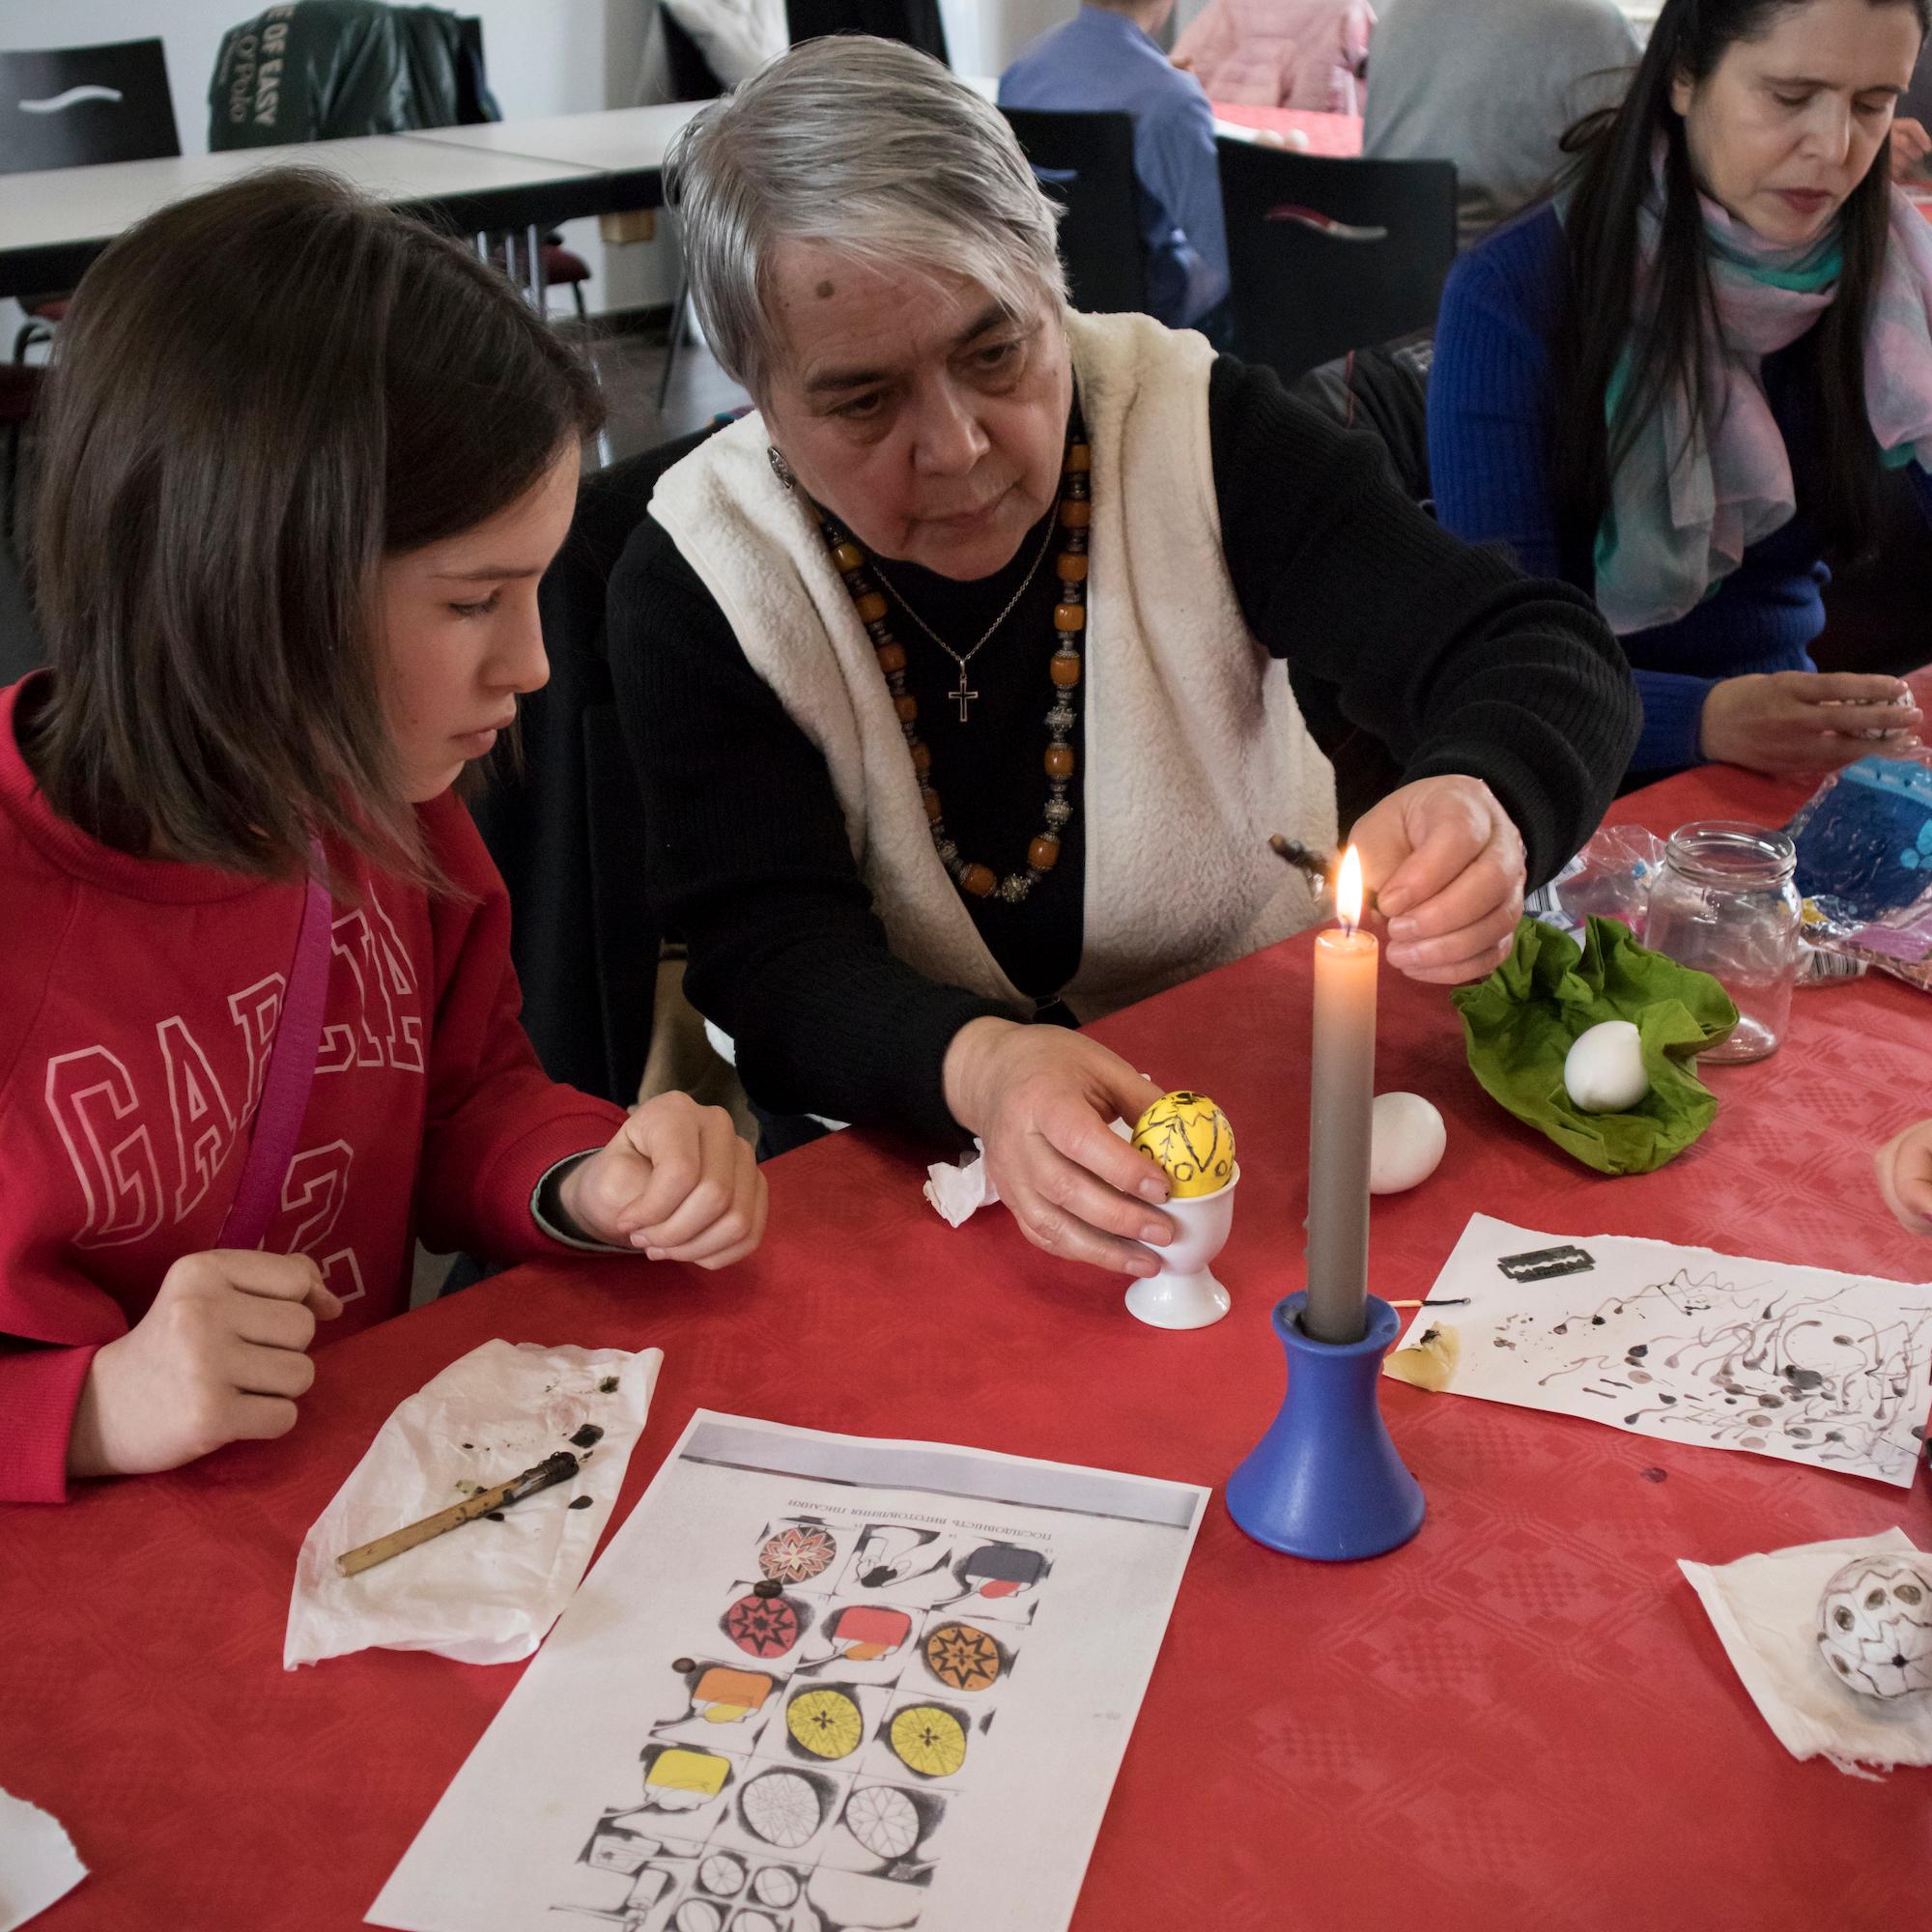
957 675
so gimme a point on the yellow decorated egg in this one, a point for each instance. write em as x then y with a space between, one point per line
1191 1137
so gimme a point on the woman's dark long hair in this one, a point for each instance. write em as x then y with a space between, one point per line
1610 179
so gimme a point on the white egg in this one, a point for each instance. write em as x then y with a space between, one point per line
1603 1071
1405 1142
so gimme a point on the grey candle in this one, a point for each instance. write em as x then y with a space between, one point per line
1341 1101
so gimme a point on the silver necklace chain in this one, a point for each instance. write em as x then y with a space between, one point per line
963 658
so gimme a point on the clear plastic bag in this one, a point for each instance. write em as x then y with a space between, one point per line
1610 878
1864 866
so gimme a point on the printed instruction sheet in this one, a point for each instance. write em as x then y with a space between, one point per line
818 1683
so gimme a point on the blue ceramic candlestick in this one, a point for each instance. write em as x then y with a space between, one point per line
1326 1481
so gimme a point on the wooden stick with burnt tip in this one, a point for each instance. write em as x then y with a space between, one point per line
553 1469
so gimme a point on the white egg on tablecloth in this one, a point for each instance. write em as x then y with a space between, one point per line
1875 1625
1405 1142
1603 1072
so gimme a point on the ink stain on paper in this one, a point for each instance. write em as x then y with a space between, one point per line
580 1502
586 1435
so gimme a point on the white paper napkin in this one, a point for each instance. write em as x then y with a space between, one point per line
1765 1610
487 1592
37 1864
959 1191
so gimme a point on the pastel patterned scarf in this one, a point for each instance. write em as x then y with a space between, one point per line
1686 505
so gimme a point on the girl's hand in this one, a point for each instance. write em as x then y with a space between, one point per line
1040 1099
675 1180
220 1357
1447 868
1905 1178
1806 721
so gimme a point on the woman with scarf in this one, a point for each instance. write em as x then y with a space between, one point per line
1677 385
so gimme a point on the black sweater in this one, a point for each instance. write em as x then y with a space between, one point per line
1440 652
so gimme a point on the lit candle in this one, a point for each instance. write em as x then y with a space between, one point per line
1341 1099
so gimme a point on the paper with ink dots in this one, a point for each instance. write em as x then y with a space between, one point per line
1686 1345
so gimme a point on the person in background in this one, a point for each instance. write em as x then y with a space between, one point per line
1679 384
1307 54
1905 1178
295 511
1910 144
1492 85
1105 60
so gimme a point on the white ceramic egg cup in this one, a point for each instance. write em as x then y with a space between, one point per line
1184 1293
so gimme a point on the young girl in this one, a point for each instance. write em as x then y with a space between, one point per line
305 463
1677 386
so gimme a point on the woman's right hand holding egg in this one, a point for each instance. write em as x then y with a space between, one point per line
1041 1101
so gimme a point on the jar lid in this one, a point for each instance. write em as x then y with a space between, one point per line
1728 852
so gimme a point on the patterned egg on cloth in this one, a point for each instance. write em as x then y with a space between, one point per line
1875 1625
1191 1140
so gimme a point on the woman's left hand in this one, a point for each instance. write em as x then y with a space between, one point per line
1447 868
675 1180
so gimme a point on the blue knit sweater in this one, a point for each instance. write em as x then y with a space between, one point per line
1493 403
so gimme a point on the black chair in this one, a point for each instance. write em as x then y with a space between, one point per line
1325 256
566 829
67 107
70 107
1085 163
915 22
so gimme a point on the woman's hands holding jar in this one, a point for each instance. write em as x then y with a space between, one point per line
1806 721
1041 1098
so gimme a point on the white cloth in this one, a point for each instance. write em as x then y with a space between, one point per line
485 1592
735 37
37 1864
1765 1610
1195 749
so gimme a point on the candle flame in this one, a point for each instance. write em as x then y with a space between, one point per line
1349 889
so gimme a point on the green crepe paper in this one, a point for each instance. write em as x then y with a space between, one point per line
1520 1023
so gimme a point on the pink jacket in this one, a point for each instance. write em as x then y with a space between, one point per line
1280 53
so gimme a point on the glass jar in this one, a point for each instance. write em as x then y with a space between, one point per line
1725 904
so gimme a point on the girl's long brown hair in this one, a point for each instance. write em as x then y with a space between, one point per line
258 394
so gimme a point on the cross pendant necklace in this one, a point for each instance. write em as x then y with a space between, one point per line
962 695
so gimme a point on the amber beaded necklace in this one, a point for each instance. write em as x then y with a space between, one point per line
1070 622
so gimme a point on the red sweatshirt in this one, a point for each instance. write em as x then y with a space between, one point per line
138 1001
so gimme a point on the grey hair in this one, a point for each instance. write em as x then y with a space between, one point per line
866 146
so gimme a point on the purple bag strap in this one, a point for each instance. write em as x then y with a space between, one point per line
290 1073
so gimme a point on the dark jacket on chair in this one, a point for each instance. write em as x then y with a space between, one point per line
327 69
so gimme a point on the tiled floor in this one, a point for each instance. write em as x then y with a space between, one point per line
630 365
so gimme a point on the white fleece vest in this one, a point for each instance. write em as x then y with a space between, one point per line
1194 749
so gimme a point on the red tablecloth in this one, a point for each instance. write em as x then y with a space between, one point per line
1335 134
1523 1718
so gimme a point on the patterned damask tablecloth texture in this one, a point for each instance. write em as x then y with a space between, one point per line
1520 1718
